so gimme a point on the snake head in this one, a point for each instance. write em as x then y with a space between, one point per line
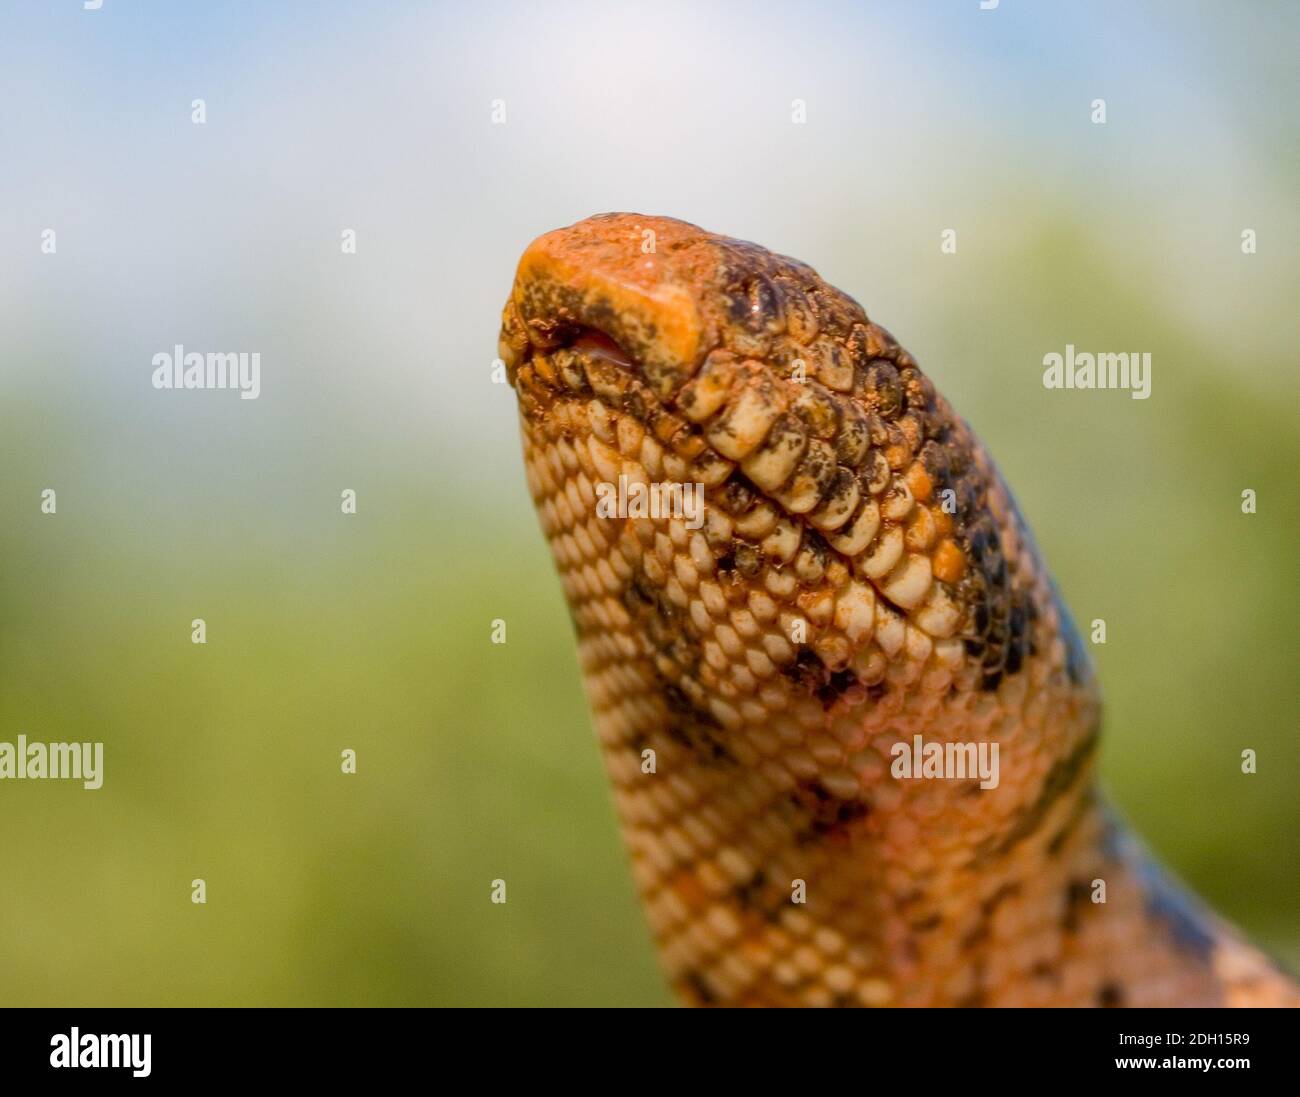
855 534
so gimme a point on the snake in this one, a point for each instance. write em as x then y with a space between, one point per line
850 727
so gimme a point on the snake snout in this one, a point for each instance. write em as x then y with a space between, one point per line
631 279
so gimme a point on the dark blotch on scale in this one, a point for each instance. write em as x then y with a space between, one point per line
747 893
883 388
762 897
739 494
694 728
839 683
1078 897
699 988
1001 614
823 812
812 674
1061 777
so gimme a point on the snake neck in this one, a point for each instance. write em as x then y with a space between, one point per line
849 724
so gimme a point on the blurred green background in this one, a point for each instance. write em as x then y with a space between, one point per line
371 631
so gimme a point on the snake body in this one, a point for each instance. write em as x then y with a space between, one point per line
859 577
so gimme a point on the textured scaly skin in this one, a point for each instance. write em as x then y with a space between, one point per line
841 493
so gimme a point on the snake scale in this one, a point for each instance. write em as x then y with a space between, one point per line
857 578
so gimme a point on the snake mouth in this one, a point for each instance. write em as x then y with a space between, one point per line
596 345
